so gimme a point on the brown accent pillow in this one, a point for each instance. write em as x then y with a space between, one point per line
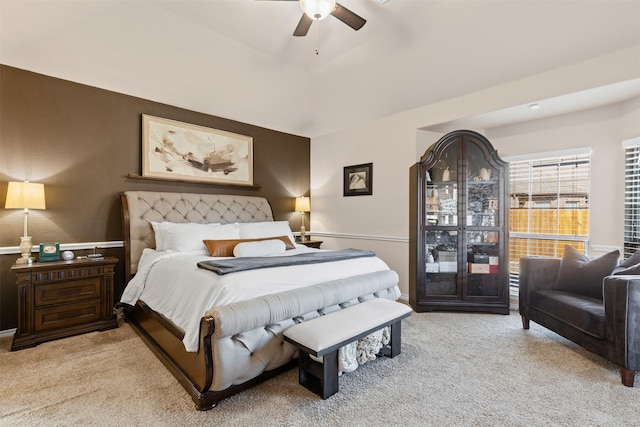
581 275
225 247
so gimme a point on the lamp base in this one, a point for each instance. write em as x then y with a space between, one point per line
303 234
25 250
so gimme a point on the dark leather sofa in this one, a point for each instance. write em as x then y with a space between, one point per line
607 324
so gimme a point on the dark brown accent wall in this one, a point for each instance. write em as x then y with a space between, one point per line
82 142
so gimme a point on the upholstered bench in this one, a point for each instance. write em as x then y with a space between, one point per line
324 335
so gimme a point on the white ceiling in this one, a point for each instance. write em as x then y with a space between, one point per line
237 58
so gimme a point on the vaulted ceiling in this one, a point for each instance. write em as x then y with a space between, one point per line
238 59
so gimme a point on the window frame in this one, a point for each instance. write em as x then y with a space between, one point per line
560 158
631 237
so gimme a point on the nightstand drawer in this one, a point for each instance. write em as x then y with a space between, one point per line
77 290
65 316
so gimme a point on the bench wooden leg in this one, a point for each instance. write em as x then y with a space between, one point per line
320 378
395 344
396 338
330 374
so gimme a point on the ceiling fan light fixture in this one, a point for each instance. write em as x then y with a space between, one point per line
317 9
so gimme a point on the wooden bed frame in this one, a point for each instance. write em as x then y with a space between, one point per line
195 371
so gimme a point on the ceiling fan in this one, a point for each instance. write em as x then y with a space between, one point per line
316 10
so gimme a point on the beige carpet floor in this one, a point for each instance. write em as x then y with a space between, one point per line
455 370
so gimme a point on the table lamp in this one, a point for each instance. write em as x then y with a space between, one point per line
302 205
25 195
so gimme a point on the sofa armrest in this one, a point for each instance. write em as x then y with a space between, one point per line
622 311
536 273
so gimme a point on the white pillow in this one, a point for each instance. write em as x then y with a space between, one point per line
257 230
160 232
171 236
260 248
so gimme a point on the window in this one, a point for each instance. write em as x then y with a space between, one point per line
542 205
631 196
572 205
549 206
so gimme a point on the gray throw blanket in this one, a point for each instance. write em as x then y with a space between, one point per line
232 265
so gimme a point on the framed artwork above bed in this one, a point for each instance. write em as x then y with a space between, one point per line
179 151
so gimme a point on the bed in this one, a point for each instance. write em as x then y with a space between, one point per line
236 338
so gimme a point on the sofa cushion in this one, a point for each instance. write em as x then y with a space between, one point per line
630 266
580 312
582 275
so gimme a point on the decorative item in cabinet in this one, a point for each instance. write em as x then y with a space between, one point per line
459 227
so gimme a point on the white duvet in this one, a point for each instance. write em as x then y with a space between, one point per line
171 283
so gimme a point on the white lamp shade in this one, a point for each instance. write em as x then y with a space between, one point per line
317 9
303 204
25 195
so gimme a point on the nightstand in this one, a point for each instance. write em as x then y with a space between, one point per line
63 298
311 243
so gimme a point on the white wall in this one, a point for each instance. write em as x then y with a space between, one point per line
380 222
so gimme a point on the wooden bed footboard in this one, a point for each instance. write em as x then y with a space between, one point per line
194 371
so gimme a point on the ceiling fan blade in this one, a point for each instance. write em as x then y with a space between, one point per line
351 19
303 26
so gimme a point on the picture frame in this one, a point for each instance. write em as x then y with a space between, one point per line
358 180
179 151
49 251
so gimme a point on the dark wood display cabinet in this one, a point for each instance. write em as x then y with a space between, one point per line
63 298
458 240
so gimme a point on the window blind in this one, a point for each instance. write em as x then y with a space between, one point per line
549 206
631 196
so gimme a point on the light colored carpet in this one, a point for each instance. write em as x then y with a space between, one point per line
455 369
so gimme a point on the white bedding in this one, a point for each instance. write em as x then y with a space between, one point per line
171 283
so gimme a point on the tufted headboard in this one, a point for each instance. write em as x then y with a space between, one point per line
140 208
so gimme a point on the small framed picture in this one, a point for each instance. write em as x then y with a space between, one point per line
358 180
49 251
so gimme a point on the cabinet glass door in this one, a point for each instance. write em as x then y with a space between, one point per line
483 217
441 266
